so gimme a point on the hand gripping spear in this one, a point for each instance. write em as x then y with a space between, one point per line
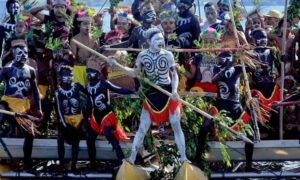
102 57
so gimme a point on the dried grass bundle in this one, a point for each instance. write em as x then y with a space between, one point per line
28 126
263 116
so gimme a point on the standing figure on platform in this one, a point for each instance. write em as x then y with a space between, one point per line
159 67
13 8
102 119
20 87
70 114
263 84
227 78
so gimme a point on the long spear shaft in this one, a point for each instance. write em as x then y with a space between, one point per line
253 113
282 68
237 134
179 50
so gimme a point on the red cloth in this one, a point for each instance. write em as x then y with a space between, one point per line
159 117
206 86
107 121
267 101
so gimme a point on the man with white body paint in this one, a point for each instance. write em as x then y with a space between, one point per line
158 66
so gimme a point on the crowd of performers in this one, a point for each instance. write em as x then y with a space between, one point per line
39 57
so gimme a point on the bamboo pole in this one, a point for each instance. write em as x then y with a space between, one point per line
104 58
283 68
285 103
253 113
180 50
26 116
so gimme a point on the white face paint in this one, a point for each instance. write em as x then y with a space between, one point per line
14 8
157 42
21 54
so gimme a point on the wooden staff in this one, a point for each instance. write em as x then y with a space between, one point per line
285 103
104 58
253 112
26 116
282 69
180 50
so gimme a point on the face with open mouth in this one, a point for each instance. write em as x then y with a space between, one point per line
21 54
260 37
157 42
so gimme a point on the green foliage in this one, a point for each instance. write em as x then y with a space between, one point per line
54 44
202 45
2 88
114 3
126 108
256 2
96 32
168 158
172 36
294 11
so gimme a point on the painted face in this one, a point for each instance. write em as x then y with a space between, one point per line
210 14
149 16
58 9
183 8
256 23
21 54
169 25
124 26
14 8
92 74
66 76
260 38
85 27
224 59
157 42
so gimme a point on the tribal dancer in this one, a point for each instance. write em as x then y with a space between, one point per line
70 115
188 28
83 20
138 38
263 78
227 79
20 86
102 119
158 65
13 8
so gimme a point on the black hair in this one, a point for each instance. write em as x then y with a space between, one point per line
280 23
65 68
9 2
76 25
211 4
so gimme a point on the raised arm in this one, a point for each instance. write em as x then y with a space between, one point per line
117 89
36 12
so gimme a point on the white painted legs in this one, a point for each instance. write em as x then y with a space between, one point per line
145 123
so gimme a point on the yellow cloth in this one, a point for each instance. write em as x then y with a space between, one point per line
131 172
17 105
74 120
79 73
190 172
182 83
43 91
196 89
115 75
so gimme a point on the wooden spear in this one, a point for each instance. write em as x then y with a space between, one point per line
253 113
283 68
104 58
179 50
